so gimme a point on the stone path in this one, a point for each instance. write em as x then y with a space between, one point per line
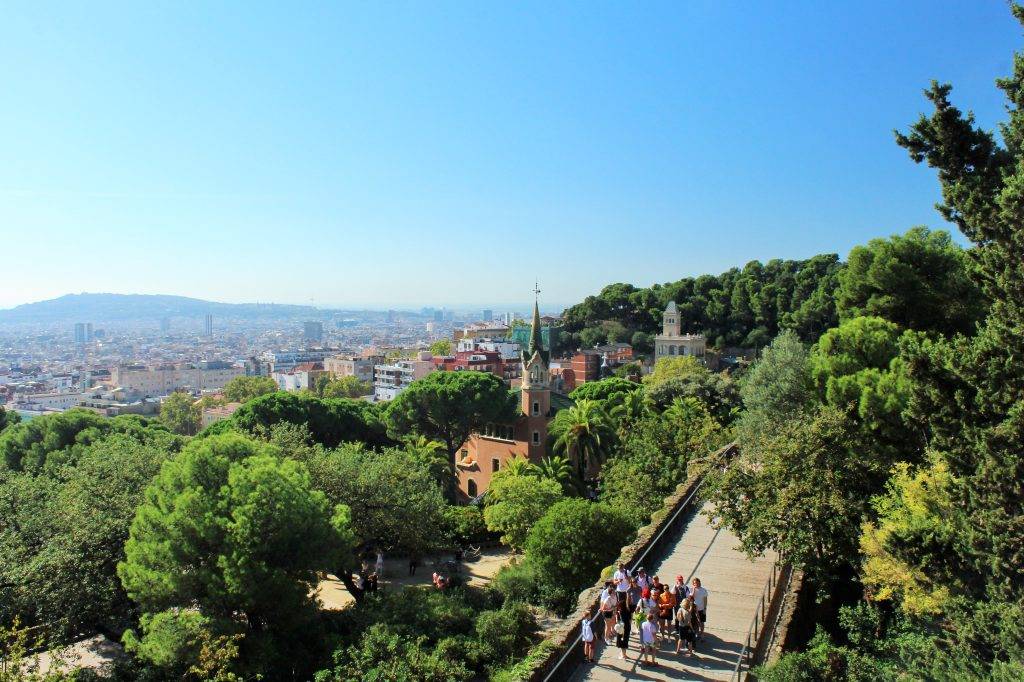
734 583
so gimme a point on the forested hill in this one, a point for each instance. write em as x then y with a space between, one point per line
740 307
123 307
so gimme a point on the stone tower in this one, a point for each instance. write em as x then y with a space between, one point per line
671 322
536 388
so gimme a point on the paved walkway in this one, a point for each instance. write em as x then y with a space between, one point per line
734 584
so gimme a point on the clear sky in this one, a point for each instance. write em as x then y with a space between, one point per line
383 153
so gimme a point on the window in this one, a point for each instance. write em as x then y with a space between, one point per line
465 454
536 407
495 465
536 437
471 488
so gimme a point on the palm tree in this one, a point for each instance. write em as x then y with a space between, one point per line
557 468
582 433
520 466
631 408
432 456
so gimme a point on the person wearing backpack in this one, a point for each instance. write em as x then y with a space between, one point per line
686 617
587 635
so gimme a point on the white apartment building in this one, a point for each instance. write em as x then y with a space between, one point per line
49 402
166 379
299 377
390 380
509 350
481 330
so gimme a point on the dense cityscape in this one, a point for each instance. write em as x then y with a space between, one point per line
127 366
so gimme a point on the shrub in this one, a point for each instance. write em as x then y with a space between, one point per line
383 654
523 670
571 544
518 582
507 632
466 525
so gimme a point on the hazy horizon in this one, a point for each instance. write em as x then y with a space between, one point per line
368 307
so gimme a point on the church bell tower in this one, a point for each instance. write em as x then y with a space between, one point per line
536 387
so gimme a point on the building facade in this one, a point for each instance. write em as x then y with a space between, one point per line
486 452
283 360
586 366
390 380
352 366
672 342
212 415
479 330
299 377
166 379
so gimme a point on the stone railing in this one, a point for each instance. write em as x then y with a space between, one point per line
566 651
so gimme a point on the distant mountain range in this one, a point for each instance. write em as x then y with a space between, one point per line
99 308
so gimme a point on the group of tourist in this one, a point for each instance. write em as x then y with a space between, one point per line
369 575
658 612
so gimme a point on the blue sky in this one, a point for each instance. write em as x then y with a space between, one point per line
394 154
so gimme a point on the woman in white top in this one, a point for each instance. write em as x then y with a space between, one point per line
588 637
699 594
609 603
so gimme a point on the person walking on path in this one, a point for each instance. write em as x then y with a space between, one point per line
666 609
621 579
609 603
635 592
623 625
686 621
648 633
700 600
680 591
642 579
380 564
587 634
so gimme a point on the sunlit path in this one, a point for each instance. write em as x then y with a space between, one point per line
735 585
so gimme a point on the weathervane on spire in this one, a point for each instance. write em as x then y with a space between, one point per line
536 290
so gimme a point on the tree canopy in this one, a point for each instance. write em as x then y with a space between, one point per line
231 533
181 413
918 280
244 388
740 307
515 502
395 503
330 420
61 537
571 543
449 406
53 440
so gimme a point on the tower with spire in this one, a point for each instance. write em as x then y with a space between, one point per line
536 385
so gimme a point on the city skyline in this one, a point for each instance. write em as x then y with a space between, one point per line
365 157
